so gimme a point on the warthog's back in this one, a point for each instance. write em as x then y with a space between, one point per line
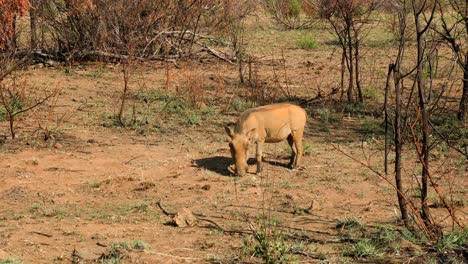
276 119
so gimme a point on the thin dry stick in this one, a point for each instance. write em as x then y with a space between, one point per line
417 218
170 256
441 197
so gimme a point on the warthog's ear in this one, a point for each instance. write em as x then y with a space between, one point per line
251 134
229 131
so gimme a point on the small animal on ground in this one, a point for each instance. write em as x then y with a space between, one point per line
271 124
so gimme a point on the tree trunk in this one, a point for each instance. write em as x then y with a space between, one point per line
464 99
350 67
343 62
33 25
356 59
387 87
125 72
12 126
13 42
398 145
424 124
241 67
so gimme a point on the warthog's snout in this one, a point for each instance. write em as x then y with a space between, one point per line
241 168
239 152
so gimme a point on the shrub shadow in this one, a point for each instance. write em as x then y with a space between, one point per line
218 164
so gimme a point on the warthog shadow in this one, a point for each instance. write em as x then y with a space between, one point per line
218 164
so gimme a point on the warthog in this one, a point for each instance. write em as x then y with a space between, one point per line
270 123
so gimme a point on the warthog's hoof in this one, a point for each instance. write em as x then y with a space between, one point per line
231 169
259 171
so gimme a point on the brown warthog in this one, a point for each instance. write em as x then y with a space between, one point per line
270 123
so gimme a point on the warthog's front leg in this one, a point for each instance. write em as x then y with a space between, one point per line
259 156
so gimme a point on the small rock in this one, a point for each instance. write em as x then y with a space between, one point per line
201 105
58 146
314 206
184 218
206 187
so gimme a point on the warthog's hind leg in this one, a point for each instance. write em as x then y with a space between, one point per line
297 138
292 160
259 156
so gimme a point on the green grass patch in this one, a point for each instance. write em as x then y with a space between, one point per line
363 249
373 128
3 114
327 115
307 149
117 251
92 184
372 93
14 102
268 243
240 105
453 241
11 261
348 223
124 213
306 42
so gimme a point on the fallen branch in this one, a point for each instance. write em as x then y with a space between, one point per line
101 244
41 234
132 159
202 218
158 203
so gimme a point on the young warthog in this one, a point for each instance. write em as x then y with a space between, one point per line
270 123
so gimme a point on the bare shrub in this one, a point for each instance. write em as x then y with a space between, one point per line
48 118
348 19
453 30
258 89
291 14
282 79
9 11
414 112
157 29
190 88
18 98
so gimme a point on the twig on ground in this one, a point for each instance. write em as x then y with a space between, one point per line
169 255
41 234
158 203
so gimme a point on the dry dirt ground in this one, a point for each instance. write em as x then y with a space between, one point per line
94 185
